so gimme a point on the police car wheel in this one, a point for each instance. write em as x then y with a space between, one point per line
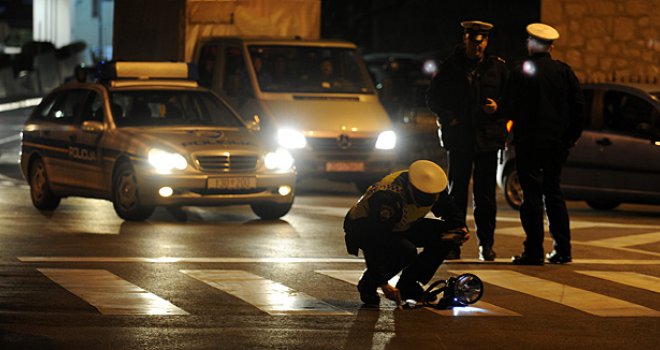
42 196
512 190
271 211
125 195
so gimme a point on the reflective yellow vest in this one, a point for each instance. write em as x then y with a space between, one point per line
398 184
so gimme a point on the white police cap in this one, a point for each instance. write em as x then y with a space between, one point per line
476 26
542 32
477 30
427 176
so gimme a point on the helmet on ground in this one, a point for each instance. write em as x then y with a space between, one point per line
427 176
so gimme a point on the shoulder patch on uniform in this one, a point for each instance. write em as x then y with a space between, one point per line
386 213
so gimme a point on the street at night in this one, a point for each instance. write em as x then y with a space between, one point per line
82 278
329 174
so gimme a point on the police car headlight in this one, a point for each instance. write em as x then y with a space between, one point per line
386 140
165 162
291 139
278 160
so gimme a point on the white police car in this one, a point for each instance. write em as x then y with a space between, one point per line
145 135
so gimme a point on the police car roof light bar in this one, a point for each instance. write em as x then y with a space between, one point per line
146 70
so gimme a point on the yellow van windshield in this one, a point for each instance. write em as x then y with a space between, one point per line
309 69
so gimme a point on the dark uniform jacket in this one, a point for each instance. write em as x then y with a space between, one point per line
388 207
458 91
545 102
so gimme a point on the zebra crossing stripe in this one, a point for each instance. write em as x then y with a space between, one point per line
110 294
628 240
481 308
232 260
632 279
269 296
580 299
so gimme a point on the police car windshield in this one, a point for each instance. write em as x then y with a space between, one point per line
309 69
170 108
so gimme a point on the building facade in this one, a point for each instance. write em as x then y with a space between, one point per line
607 40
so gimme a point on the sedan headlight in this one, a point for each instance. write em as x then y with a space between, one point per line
291 139
165 162
386 140
279 160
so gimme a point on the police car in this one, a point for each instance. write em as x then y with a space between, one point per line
143 135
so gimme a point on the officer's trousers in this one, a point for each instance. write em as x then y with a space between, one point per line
539 170
387 253
482 167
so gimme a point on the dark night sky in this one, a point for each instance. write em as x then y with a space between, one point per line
420 26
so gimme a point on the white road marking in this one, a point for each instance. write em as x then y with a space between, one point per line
627 241
269 296
20 104
481 308
617 243
9 139
632 279
580 299
110 294
575 224
73 259
228 260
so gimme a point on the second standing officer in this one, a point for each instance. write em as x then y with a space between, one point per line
545 101
465 94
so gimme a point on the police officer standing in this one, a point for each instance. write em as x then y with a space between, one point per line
545 101
388 224
465 95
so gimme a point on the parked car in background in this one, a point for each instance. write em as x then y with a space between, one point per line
145 135
617 158
402 80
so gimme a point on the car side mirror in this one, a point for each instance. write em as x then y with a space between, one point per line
255 124
93 126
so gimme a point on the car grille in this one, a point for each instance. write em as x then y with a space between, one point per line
226 163
334 144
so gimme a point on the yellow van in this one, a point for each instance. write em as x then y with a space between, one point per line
312 97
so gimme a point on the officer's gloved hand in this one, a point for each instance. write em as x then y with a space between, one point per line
456 235
392 293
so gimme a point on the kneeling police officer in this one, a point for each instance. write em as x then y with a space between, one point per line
388 223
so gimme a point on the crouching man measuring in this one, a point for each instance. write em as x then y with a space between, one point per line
388 223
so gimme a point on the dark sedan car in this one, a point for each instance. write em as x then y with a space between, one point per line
617 158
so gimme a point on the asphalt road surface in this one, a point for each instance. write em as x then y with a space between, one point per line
219 278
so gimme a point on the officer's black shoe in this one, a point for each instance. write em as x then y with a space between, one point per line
411 290
368 293
525 259
486 253
454 254
554 258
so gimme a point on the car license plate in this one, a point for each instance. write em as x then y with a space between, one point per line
232 183
344 166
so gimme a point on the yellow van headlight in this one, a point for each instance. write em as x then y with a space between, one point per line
165 162
386 140
291 139
279 160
